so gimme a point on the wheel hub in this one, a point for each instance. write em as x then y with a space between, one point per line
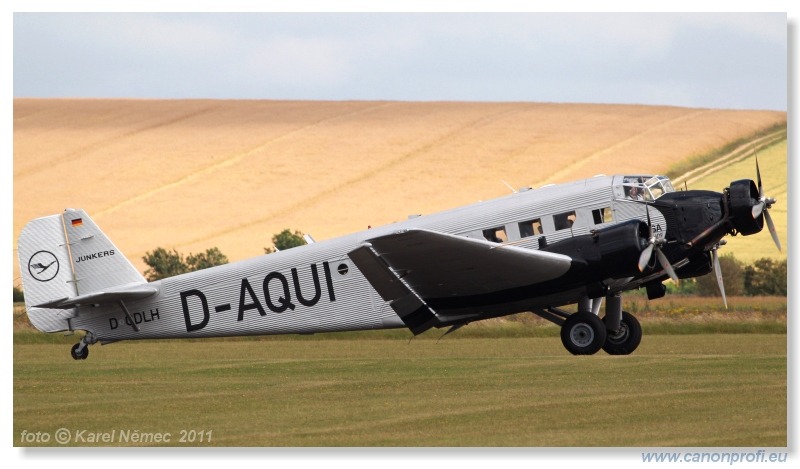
581 335
621 335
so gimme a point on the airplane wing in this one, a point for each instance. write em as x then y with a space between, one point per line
438 265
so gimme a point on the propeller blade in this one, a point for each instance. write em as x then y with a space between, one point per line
649 224
772 231
761 207
760 188
718 273
644 258
667 266
758 208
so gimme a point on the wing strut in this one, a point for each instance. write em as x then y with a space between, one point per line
128 315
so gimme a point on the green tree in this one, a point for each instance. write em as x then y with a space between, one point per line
732 277
687 286
766 277
203 260
18 295
286 240
164 264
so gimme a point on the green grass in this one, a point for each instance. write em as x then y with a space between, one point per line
676 390
500 382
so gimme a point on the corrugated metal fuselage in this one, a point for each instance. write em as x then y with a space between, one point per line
317 288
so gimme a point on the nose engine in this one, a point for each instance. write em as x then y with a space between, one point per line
748 207
697 221
742 198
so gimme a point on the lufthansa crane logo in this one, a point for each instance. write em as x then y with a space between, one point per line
43 266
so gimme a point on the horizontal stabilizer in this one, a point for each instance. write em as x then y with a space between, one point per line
110 295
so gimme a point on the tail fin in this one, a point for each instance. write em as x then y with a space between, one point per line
64 258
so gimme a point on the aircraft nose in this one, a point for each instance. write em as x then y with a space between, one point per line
742 199
749 207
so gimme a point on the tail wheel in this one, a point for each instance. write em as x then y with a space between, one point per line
583 333
625 340
79 355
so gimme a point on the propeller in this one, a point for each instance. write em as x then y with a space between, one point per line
654 244
762 206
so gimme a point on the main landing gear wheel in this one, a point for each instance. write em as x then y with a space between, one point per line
82 354
626 339
583 333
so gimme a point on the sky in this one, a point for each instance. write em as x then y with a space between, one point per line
716 60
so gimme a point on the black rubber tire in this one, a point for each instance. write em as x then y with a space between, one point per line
82 356
627 339
583 333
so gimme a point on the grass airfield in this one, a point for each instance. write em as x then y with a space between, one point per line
364 389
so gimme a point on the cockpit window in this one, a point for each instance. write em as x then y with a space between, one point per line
646 188
634 191
658 186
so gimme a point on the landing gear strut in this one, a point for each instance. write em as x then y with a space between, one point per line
626 339
583 333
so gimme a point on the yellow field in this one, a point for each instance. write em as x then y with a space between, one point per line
200 173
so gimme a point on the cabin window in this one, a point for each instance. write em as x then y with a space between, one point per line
496 235
530 228
602 215
563 221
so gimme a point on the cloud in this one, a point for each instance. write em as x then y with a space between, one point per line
289 61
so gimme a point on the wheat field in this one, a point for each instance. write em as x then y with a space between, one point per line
192 174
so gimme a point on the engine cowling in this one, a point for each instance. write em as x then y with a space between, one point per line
742 196
611 252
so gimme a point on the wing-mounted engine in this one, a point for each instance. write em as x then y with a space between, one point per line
611 252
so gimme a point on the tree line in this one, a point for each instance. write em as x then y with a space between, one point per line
163 263
764 277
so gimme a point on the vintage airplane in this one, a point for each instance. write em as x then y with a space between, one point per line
534 250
